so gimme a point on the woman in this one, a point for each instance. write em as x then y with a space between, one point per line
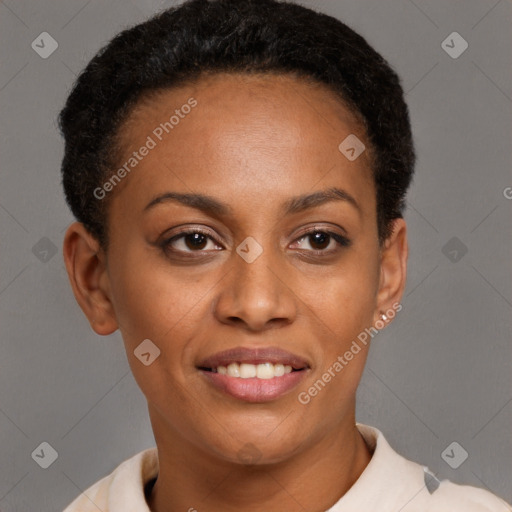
238 171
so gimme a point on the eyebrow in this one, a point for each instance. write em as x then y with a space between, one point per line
210 205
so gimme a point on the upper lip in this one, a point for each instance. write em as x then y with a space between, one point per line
272 355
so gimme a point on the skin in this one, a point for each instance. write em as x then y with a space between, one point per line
252 143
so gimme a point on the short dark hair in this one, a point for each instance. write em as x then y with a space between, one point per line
248 36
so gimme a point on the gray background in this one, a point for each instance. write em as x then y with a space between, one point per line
442 372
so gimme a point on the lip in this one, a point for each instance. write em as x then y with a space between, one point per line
240 355
255 390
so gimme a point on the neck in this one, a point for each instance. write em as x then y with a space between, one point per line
313 479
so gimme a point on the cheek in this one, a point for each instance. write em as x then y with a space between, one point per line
150 304
149 300
345 306
345 309
347 297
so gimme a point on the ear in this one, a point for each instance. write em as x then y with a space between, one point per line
86 267
393 271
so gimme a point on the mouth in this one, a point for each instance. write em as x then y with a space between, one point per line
265 370
254 375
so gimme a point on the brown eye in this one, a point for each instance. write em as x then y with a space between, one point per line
323 241
319 240
193 240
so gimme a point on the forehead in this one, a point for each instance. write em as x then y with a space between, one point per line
259 97
258 134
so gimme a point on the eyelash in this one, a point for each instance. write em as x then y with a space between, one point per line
342 241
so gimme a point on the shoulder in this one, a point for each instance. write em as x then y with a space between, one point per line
124 485
451 497
404 485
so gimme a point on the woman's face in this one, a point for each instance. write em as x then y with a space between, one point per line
271 271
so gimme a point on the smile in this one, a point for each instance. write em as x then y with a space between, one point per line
254 375
259 371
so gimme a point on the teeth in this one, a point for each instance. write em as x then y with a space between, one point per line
233 370
265 371
260 371
247 371
278 370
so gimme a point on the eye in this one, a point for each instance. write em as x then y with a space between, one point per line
192 240
322 241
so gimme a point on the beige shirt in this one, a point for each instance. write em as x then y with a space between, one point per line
390 483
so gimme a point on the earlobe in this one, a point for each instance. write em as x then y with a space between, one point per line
393 270
88 277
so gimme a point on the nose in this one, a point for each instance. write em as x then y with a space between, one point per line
256 295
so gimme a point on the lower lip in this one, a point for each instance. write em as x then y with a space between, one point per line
254 389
